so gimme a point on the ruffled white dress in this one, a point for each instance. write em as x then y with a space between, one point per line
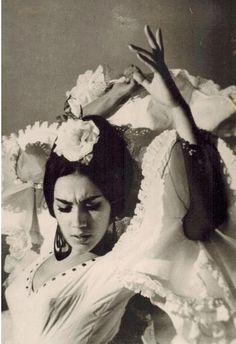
193 282
84 304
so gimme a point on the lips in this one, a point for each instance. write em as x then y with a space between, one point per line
82 238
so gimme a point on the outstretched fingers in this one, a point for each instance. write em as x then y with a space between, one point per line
148 62
141 51
153 59
150 37
159 39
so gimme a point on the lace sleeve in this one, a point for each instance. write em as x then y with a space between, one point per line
208 203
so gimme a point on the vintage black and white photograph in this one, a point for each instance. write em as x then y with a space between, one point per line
118 172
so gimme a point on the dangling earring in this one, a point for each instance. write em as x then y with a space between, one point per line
61 248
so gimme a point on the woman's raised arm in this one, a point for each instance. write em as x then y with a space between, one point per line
208 205
105 104
166 92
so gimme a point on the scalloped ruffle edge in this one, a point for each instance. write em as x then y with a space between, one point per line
154 161
41 133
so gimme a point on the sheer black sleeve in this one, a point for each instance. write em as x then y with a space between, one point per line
208 202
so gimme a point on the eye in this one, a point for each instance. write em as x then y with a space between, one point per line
65 209
92 206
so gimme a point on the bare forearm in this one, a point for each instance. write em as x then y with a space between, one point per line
104 105
181 113
184 125
107 104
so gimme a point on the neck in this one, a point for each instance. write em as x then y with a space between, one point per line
78 258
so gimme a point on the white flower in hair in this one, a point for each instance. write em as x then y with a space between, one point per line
76 139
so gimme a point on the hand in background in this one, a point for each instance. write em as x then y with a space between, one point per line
123 88
166 91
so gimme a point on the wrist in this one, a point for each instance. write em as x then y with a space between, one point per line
184 124
117 93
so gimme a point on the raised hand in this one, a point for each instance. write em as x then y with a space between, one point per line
163 89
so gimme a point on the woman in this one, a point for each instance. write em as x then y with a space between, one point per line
87 306
85 189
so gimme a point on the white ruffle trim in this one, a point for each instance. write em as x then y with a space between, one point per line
22 200
153 287
43 134
89 86
206 315
154 162
229 160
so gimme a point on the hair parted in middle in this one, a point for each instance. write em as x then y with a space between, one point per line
110 169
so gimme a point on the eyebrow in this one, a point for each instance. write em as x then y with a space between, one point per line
88 199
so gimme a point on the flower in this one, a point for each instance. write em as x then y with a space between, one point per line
76 139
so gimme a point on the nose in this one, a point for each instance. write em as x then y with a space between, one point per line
80 218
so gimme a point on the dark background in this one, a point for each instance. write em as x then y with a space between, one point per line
47 43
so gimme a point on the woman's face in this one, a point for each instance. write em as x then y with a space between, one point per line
82 212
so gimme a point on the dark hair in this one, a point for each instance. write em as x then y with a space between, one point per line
111 168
